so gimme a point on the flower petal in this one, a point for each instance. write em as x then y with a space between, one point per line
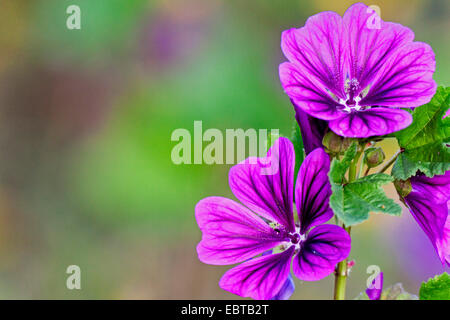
286 290
374 291
313 191
406 79
231 232
265 185
433 219
371 122
288 287
325 246
311 129
371 42
318 50
436 188
307 93
261 278
443 243
428 203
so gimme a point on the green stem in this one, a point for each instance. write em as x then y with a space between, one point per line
352 171
341 277
341 268
354 165
361 169
363 147
390 162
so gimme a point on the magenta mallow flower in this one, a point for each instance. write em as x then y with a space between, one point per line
376 287
356 76
428 202
234 233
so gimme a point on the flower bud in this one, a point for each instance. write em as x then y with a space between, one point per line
332 142
347 142
403 187
336 144
374 156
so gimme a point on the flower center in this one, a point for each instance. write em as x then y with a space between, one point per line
351 103
296 238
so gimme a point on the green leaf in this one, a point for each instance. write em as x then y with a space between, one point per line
339 167
298 147
352 202
409 162
437 288
425 141
428 126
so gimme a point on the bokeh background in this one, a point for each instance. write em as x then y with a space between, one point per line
86 117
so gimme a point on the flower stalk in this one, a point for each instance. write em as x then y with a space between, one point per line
390 162
341 272
341 276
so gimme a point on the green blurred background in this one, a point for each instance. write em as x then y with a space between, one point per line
86 118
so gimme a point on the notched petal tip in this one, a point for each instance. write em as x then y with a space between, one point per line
315 72
406 78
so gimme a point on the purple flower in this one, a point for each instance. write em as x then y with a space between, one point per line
428 202
376 287
355 76
233 233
